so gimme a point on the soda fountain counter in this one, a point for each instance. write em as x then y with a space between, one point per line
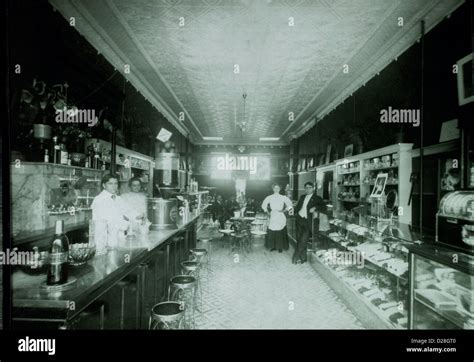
112 291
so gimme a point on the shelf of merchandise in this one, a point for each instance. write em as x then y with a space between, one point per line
131 161
401 153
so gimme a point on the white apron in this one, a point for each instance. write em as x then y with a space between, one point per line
278 203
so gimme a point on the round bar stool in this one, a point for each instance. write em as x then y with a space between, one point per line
182 289
193 268
199 254
205 243
167 315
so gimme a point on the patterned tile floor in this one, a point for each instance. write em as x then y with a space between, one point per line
264 290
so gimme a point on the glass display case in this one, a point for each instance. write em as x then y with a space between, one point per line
441 288
371 259
455 221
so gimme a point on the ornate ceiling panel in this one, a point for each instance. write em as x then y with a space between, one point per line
200 56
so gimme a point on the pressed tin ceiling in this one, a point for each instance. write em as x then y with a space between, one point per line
184 55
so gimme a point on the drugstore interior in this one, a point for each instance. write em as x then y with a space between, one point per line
209 100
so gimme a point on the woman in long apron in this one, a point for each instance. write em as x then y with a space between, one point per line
277 204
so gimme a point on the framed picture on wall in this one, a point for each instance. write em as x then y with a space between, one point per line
349 150
379 187
464 80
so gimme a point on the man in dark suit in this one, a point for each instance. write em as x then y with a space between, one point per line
218 210
305 209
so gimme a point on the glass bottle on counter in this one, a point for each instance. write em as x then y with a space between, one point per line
46 156
58 256
96 161
56 150
63 154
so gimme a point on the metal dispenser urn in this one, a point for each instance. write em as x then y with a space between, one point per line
163 213
165 174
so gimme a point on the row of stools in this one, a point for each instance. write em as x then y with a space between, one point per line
184 294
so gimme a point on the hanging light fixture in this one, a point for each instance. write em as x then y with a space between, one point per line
243 123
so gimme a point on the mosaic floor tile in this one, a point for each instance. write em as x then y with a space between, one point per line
264 290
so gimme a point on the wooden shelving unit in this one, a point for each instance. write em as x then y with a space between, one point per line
355 178
131 162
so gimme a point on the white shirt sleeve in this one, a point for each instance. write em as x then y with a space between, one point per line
265 203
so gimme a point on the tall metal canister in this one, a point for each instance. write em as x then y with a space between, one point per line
165 174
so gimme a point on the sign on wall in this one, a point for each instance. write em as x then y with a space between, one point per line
223 166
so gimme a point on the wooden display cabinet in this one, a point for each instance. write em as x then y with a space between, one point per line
129 164
355 181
